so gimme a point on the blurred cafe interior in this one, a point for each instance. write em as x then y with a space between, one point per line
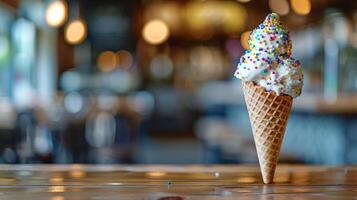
151 81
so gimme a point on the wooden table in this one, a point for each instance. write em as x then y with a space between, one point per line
163 182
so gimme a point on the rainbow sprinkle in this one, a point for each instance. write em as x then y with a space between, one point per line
268 62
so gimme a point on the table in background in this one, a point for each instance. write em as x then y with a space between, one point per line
160 182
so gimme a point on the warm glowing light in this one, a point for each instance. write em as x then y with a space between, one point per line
77 171
168 11
56 180
77 174
195 16
280 7
156 32
76 32
155 174
244 39
56 13
301 7
107 61
197 22
57 198
203 18
124 59
56 188
246 180
233 17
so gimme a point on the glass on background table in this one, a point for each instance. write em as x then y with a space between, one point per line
171 182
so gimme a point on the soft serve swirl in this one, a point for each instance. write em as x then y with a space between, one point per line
268 62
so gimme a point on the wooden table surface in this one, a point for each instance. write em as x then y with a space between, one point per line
166 182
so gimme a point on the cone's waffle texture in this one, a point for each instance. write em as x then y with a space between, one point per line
268 114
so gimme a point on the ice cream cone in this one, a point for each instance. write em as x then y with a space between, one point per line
268 114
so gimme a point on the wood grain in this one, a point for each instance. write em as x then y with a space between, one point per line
175 182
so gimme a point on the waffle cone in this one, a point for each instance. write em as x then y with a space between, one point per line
268 114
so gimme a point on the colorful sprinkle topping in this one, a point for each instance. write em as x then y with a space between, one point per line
269 62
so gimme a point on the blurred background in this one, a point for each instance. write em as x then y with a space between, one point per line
151 81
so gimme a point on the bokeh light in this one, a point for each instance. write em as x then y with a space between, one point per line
196 21
107 61
244 39
194 16
124 59
73 102
143 102
155 32
76 32
161 67
207 63
56 13
168 11
301 7
71 81
233 17
280 7
203 18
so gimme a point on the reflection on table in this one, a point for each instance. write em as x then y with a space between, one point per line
175 182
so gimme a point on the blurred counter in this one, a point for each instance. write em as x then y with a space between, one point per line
174 182
343 104
216 93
